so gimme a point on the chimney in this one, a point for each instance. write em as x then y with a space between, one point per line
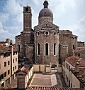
77 67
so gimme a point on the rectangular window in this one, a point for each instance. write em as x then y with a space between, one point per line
4 64
16 59
55 49
5 74
2 76
13 60
38 49
46 49
13 68
73 47
8 72
8 62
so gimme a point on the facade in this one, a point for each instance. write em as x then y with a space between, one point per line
46 44
68 43
80 44
25 41
46 38
80 51
8 65
74 72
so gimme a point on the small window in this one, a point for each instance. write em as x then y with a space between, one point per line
13 60
78 54
38 33
54 33
5 74
73 47
4 64
8 62
13 68
2 76
16 59
8 72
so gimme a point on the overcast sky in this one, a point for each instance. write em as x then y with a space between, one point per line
68 15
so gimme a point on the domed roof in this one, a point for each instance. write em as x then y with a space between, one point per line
45 12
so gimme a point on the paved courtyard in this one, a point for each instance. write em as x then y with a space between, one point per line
43 80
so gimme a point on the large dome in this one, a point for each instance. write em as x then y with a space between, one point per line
45 12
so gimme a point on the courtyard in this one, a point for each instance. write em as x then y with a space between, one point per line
44 80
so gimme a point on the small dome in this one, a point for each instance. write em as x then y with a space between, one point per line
45 12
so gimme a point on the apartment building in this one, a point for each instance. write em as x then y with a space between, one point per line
8 65
74 72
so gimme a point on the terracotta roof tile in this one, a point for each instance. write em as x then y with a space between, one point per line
72 60
25 70
52 88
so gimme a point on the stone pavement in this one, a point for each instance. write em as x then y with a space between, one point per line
46 80
43 80
13 84
40 80
59 82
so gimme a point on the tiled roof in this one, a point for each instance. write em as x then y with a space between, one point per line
80 49
4 49
72 60
81 74
25 70
44 88
52 88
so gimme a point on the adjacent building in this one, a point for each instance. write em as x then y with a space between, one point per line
74 72
8 65
25 41
68 43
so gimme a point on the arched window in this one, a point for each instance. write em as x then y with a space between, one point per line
38 33
46 49
54 48
38 49
74 47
